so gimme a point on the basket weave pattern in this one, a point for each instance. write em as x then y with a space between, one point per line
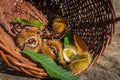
93 20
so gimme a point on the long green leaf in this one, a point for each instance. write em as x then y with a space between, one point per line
51 67
34 23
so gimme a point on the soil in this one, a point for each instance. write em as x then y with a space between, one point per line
106 68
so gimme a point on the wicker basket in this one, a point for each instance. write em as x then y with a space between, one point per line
93 20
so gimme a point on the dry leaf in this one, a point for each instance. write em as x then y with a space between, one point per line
80 44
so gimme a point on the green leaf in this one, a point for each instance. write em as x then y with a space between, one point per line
34 23
68 39
51 67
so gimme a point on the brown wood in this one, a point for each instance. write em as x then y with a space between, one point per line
117 19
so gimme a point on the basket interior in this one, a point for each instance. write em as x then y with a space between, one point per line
93 20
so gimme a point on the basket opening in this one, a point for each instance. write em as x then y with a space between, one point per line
93 20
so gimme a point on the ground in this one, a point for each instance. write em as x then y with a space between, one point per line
106 68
